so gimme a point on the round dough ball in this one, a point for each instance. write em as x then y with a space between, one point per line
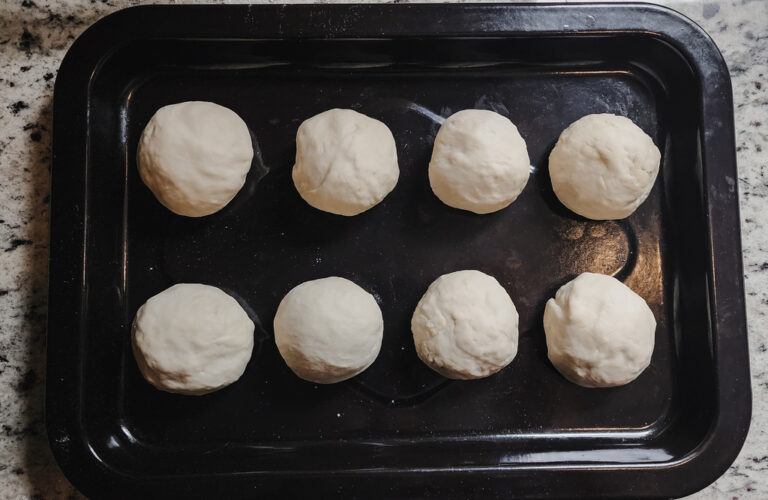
465 326
479 162
194 157
192 339
603 166
328 330
599 332
346 162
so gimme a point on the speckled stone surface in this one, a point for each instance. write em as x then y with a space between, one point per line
34 36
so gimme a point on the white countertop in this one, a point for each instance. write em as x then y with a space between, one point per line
35 35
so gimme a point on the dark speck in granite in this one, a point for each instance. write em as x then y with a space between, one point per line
18 106
16 243
28 42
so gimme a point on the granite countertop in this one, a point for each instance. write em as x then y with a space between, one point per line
35 35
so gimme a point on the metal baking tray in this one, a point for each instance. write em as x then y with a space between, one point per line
398 429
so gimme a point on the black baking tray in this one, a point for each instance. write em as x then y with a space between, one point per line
398 429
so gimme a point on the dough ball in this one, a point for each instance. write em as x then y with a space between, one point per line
346 162
465 326
479 162
194 157
603 166
328 330
599 332
192 339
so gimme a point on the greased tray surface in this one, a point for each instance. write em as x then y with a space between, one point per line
398 429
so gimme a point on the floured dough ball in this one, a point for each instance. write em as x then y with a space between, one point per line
465 326
192 339
599 332
603 166
328 330
479 162
194 156
346 162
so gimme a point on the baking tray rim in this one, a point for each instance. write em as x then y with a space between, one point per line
66 432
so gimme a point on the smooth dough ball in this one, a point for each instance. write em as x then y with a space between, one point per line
194 156
328 330
603 166
192 339
465 326
599 332
479 162
346 162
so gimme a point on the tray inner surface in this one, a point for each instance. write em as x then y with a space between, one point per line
269 240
